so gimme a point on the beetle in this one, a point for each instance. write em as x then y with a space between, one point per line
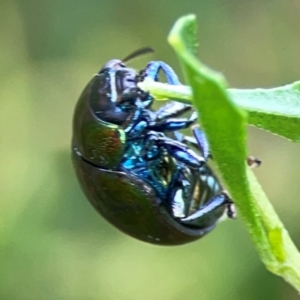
135 167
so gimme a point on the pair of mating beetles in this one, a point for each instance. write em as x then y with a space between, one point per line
136 169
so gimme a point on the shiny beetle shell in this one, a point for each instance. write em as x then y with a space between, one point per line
126 200
131 205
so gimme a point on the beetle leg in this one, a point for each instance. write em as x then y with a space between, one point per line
205 215
181 152
179 190
138 121
199 140
202 143
152 71
172 109
156 141
172 124
178 203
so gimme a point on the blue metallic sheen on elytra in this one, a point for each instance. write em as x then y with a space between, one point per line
137 170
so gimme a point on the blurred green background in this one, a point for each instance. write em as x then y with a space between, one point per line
53 244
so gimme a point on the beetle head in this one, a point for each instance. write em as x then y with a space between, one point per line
114 89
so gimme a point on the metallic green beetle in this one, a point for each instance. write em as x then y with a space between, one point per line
133 165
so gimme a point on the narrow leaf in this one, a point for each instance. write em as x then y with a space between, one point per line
276 110
224 125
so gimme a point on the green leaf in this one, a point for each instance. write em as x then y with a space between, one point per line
224 124
276 110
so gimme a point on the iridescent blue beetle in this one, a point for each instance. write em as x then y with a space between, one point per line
136 169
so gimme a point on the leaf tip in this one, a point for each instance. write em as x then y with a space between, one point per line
179 25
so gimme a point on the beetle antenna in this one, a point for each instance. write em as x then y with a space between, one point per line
137 53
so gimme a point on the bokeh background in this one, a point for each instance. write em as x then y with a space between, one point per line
53 244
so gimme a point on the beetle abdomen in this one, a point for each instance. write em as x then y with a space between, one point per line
132 206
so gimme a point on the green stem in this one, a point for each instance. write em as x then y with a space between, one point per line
286 258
